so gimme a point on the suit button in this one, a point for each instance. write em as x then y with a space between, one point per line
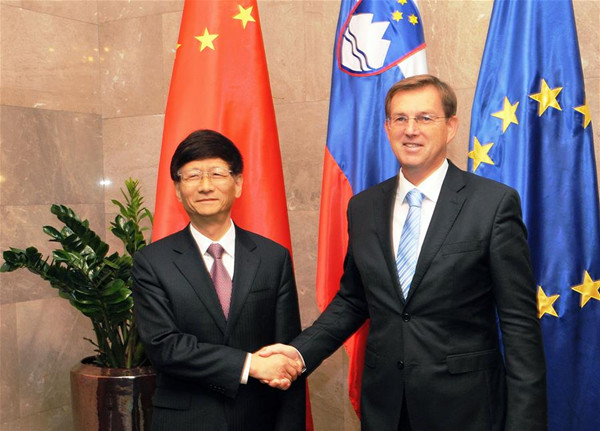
400 365
405 317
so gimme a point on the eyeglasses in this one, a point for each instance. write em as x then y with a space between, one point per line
422 120
215 174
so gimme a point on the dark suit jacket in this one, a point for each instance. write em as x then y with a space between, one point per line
198 354
440 348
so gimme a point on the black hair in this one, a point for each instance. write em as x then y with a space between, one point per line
206 144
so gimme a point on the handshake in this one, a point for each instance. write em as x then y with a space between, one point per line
277 365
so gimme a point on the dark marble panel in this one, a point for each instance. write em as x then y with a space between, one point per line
327 393
302 135
351 421
304 231
131 67
48 61
320 21
57 419
132 149
587 19
50 334
49 157
110 10
80 10
282 25
9 363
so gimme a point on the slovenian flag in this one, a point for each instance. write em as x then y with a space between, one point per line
377 43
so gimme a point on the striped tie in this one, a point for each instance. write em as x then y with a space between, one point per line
406 259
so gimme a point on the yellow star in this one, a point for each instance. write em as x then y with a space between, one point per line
245 15
206 40
413 19
480 154
508 114
402 2
585 110
546 98
544 303
588 289
397 16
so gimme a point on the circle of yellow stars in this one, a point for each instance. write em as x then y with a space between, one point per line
546 98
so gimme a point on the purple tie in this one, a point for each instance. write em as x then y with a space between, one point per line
220 277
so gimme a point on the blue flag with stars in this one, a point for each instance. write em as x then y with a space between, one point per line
531 129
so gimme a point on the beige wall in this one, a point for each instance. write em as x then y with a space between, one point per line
83 88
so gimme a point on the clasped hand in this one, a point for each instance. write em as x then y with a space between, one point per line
277 365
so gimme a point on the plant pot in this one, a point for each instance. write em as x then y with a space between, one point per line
111 399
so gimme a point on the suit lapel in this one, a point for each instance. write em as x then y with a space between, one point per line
448 206
246 266
191 265
384 211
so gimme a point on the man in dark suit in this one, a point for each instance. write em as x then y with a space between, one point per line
207 296
436 256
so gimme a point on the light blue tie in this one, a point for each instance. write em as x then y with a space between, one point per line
406 259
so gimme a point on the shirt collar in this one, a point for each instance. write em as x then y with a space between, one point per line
430 187
227 241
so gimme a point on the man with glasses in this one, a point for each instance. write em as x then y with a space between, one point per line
436 257
208 296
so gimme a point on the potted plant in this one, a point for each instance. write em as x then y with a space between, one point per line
111 390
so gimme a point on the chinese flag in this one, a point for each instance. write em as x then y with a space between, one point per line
220 82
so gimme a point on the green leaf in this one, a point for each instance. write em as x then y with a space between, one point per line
114 286
53 232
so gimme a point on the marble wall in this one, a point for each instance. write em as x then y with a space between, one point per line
83 87
50 151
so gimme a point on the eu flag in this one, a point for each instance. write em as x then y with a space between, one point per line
531 129
377 43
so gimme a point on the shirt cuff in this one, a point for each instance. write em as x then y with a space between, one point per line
246 369
301 358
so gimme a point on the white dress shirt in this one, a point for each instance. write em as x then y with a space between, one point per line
430 188
227 241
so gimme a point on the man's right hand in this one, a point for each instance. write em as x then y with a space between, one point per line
277 370
281 349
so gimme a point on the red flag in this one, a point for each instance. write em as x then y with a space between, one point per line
333 237
220 82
